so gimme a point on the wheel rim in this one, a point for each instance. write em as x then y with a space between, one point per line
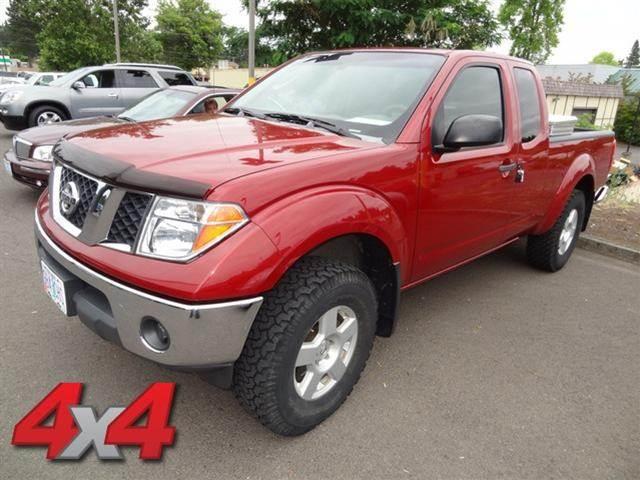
568 232
325 353
48 117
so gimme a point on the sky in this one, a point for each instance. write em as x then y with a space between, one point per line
590 26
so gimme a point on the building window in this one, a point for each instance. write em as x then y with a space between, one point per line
589 112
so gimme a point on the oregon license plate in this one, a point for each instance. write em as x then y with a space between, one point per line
54 287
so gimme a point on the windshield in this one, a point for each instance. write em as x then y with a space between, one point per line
161 104
369 94
67 76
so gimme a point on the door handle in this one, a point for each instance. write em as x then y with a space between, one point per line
112 95
507 167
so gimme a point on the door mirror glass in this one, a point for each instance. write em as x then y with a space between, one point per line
472 131
78 85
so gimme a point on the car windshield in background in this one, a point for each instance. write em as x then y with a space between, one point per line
162 104
369 94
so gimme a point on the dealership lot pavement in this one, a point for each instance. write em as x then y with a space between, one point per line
496 371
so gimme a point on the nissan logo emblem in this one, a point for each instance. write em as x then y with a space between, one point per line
69 198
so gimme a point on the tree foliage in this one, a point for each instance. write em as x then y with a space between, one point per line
627 123
71 33
633 60
236 46
605 58
190 32
533 27
20 30
294 27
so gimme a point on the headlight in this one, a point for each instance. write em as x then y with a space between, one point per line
43 153
181 229
10 97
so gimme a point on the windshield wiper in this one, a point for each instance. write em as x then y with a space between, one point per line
311 122
243 112
126 119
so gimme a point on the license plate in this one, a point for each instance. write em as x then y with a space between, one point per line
54 287
7 166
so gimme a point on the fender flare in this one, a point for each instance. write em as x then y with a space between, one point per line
583 166
303 221
38 103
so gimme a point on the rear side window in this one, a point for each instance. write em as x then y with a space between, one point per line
475 91
137 79
529 105
176 78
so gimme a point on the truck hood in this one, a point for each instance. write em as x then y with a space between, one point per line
190 156
50 134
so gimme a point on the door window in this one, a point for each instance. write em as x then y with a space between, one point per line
529 105
476 90
137 79
100 79
176 78
45 80
220 101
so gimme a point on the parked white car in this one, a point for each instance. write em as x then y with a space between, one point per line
38 78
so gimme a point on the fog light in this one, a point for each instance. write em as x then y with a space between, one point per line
154 335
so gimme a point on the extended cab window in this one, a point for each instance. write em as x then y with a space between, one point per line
476 90
529 105
100 79
137 79
176 78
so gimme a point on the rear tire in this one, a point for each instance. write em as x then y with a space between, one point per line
40 115
552 250
273 379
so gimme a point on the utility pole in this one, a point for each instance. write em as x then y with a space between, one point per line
252 42
116 30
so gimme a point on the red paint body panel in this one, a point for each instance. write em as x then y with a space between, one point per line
303 187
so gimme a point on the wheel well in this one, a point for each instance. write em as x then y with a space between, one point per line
371 256
586 185
49 103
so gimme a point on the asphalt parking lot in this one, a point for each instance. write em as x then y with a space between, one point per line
496 371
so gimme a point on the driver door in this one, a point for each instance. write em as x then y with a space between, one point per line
100 95
465 201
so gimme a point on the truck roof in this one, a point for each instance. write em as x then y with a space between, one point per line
436 51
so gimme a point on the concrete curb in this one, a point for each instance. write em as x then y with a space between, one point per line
610 249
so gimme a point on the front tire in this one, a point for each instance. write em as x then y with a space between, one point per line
552 250
44 115
307 346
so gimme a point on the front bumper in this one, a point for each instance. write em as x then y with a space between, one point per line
13 122
201 335
30 172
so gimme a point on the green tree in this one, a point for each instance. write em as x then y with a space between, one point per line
294 27
627 123
533 27
236 46
633 60
72 33
190 32
21 29
605 58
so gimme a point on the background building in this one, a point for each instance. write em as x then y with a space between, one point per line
598 101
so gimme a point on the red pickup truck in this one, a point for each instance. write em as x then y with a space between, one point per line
267 246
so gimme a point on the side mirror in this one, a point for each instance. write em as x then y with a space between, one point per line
471 131
78 85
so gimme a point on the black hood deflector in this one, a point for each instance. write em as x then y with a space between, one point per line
122 174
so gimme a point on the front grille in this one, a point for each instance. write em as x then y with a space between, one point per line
22 148
128 218
87 189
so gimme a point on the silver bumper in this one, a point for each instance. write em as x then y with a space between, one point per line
201 335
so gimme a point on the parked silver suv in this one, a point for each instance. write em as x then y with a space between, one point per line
87 92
